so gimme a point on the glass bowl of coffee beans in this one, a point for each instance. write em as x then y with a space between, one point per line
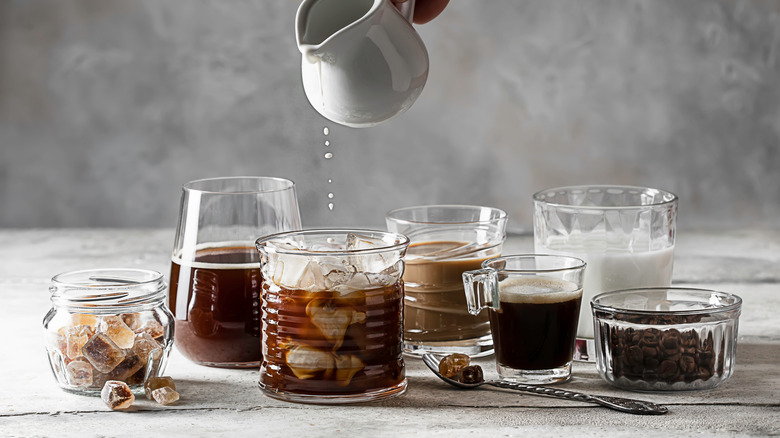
666 339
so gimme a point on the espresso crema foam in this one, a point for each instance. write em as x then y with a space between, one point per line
537 290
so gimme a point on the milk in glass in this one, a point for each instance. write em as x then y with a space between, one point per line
612 263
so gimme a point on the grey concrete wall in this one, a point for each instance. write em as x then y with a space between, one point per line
108 106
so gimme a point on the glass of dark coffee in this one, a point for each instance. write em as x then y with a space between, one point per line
533 302
332 315
215 268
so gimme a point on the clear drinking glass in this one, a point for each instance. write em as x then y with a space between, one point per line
332 315
215 270
446 241
533 302
625 234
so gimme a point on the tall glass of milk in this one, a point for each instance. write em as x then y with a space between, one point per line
625 235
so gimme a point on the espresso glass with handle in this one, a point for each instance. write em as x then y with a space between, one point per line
215 268
533 302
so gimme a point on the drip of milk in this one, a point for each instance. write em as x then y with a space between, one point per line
612 266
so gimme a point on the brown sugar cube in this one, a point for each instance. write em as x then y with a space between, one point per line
153 328
129 366
451 365
117 330
75 338
145 345
103 353
153 383
117 395
165 395
84 319
132 320
79 373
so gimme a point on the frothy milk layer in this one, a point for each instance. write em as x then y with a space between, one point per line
537 290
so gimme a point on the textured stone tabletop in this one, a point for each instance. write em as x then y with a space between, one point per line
219 402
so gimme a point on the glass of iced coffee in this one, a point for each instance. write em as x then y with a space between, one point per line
534 304
446 240
625 234
332 315
215 268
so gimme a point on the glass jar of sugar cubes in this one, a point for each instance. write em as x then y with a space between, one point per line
107 324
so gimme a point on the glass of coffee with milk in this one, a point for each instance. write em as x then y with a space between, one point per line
625 234
446 240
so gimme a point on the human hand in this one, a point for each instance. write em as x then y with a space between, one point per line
426 10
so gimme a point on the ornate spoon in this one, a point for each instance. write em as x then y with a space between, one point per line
619 404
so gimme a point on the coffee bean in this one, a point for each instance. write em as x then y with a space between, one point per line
687 364
634 355
667 370
671 340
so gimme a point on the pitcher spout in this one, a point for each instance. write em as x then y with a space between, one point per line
318 20
310 53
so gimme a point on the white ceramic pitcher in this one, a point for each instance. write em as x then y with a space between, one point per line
363 62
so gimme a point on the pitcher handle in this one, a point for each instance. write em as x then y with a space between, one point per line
481 288
407 10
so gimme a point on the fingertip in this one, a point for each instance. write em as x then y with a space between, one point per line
427 10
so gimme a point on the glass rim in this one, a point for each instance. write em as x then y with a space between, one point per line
58 279
596 306
106 289
580 264
537 197
391 215
261 243
287 183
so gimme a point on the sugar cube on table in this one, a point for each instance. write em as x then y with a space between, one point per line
153 383
165 395
103 353
117 395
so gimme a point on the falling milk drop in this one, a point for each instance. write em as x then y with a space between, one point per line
328 156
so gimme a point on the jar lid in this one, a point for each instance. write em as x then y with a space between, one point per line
105 289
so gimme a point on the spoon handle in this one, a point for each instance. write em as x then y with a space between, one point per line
621 404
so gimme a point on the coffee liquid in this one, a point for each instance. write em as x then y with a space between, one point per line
332 343
435 302
216 304
535 327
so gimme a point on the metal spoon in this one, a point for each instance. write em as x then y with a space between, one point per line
619 404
